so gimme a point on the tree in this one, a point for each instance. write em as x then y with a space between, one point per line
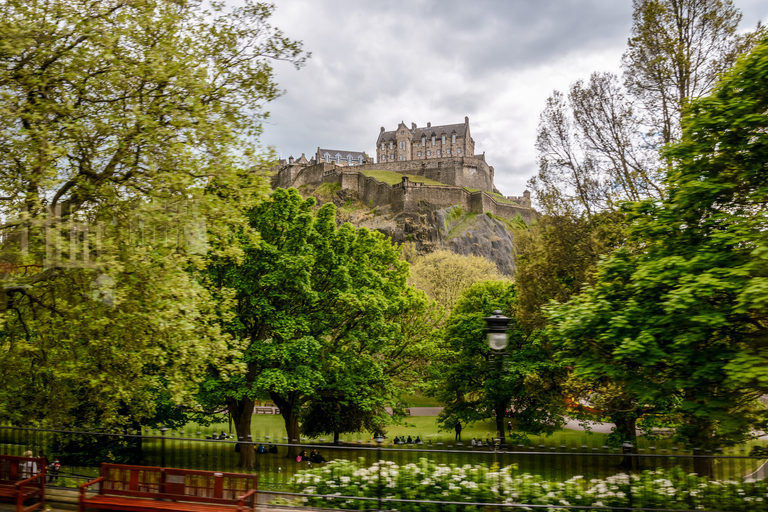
317 311
681 312
444 275
677 51
472 383
126 134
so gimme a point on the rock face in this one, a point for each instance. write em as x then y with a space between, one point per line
428 229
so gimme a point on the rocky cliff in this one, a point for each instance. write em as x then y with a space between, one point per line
428 230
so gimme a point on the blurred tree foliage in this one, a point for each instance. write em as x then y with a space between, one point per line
127 152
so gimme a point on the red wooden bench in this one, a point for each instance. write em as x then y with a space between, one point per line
18 487
153 489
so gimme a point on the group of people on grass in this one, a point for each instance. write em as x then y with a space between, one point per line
403 440
313 457
269 449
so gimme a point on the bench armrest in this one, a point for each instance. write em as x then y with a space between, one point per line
84 486
241 499
26 481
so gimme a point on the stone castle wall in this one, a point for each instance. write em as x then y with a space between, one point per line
405 196
471 172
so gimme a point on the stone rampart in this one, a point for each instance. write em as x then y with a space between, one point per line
471 172
406 196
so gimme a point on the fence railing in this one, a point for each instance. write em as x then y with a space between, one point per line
554 467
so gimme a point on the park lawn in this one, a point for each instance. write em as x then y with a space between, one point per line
392 178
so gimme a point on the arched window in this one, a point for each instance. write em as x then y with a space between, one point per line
423 140
443 139
453 138
433 140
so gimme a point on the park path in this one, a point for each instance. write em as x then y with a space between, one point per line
595 426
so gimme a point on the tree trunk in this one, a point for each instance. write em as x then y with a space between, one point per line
626 425
703 466
290 416
242 411
336 438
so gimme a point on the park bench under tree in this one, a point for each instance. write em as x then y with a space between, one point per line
155 489
14 487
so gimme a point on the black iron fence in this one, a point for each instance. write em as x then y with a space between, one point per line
435 475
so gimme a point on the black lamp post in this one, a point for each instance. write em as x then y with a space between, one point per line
497 326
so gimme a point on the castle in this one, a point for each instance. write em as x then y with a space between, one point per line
437 165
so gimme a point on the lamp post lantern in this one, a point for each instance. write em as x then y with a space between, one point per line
497 326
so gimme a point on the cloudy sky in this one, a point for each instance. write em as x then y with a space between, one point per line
378 63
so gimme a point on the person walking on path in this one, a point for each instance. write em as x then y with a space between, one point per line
457 428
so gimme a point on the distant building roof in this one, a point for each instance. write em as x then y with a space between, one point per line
426 131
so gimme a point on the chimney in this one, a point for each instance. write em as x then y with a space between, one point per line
413 126
429 125
466 119
382 128
290 159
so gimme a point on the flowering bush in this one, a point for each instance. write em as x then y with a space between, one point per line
670 489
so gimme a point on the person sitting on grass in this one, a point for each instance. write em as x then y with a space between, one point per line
480 443
272 448
418 440
316 457
409 441
261 449
302 457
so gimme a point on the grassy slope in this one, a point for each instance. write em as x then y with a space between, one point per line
393 178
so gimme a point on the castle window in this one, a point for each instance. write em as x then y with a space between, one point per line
360 160
338 158
423 140
392 156
429 153
443 139
349 159
419 153
453 138
390 145
447 151
327 158
438 152
459 150
433 140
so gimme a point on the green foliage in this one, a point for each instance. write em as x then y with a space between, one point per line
445 275
683 313
472 383
321 312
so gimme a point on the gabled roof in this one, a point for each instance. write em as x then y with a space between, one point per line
333 152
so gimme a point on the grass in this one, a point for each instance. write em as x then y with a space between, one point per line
327 190
392 178
512 225
462 226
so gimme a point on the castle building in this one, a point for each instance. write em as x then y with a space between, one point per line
425 143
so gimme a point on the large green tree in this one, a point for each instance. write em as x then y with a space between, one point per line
473 382
318 312
127 133
682 311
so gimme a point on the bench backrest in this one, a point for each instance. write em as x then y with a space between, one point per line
175 484
14 468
